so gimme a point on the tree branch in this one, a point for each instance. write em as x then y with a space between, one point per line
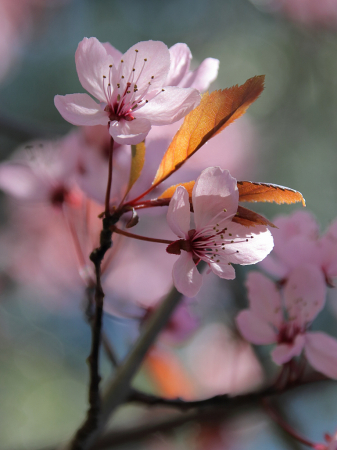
118 390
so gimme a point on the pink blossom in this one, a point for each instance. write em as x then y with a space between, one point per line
220 362
307 12
42 172
131 90
297 241
215 239
285 322
180 75
181 325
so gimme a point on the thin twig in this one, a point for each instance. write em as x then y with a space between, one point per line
109 183
273 414
140 238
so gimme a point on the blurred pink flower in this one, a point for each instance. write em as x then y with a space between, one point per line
215 239
130 91
307 12
181 325
265 322
221 363
297 241
42 172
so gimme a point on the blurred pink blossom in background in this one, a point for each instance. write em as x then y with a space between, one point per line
321 13
285 322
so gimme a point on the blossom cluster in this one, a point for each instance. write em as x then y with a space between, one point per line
282 311
121 166
65 181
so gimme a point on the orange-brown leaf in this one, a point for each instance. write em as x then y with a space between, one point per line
171 190
266 192
215 112
249 218
168 374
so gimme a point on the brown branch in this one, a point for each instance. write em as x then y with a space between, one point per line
140 238
93 418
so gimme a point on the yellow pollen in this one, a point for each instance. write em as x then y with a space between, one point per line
136 50
122 60
230 234
145 59
133 69
110 65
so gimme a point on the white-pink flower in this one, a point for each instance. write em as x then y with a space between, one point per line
297 241
285 321
214 238
42 172
131 90
180 75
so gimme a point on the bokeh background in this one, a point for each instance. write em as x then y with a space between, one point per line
292 142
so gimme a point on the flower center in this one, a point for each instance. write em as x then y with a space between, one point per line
123 94
288 333
58 196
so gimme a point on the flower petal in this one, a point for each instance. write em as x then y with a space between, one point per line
185 274
283 353
178 214
304 294
151 61
255 329
92 62
264 298
203 76
80 109
19 180
321 352
129 132
180 56
169 105
113 52
225 271
247 245
214 191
